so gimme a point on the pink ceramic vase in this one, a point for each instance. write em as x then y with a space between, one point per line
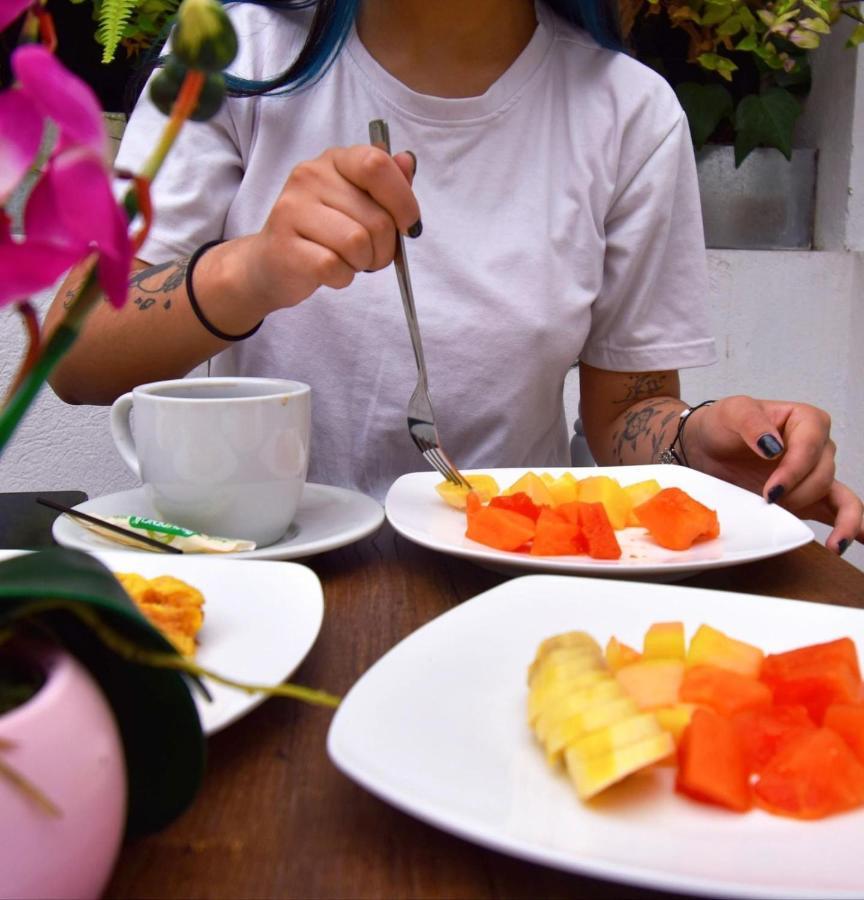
65 742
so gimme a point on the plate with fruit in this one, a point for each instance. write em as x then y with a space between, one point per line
659 522
674 738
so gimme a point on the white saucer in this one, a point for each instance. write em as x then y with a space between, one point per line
328 517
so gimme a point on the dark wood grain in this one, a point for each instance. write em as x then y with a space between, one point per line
276 819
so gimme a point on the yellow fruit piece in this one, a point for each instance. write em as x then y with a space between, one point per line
545 696
579 639
564 488
652 682
596 773
485 486
710 647
665 640
639 493
569 730
619 655
576 702
532 485
606 490
675 718
618 734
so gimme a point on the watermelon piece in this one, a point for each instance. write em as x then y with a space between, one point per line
763 732
723 690
498 528
595 526
520 503
815 775
555 535
675 520
711 766
848 722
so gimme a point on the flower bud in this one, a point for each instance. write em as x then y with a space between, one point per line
204 37
166 84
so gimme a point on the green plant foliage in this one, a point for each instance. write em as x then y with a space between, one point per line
706 105
113 17
765 120
132 24
157 717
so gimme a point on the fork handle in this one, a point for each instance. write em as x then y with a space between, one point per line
379 136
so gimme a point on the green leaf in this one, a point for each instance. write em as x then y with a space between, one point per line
806 40
817 8
155 712
706 105
716 13
731 26
814 24
765 120
112 18
716 63
856 37
751 42
748 20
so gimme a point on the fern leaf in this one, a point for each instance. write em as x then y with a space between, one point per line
113 16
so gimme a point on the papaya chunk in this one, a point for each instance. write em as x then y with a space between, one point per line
722 690
815 775
675 520
711 765
519 502
763 732
498 528
848 722
556 536
778 665
815 686
595 526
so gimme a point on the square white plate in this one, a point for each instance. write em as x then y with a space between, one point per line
261 618
750 528
437 727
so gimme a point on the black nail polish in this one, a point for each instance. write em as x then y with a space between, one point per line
769 445
416 229
414 157
842 546
776 493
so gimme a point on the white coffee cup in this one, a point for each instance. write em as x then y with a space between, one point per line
223 456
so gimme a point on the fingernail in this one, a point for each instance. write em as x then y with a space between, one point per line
842 546
775 493
769 445
413 157
368 271
416 229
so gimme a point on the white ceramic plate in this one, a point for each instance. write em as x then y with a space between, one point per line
327 518
260 621
437 728
750 528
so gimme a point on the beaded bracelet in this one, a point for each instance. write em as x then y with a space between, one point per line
674 453
193 300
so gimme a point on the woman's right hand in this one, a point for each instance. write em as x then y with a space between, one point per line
336 216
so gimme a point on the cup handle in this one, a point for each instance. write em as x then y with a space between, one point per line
121 431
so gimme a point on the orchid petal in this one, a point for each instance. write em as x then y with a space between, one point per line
10 10
75 208
61 96
21 129
29 267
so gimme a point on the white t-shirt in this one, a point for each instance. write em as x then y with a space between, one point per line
561 221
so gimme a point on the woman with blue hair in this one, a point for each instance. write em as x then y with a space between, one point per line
560 222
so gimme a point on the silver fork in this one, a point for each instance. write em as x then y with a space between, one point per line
421 419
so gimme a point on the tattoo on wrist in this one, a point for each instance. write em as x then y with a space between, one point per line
644 430
150 286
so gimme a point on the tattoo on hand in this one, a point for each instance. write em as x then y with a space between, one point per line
155 281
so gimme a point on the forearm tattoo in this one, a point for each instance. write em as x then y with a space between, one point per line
647 424
153 286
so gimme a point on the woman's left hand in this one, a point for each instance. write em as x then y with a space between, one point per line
782 450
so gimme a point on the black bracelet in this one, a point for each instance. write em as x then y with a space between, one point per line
193 300
674 453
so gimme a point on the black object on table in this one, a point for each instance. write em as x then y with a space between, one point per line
25 524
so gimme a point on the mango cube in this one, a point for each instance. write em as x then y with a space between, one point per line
665 640
675 718
652 682
606 490
456 495
619 655
710 647
564 488
639 493
532 485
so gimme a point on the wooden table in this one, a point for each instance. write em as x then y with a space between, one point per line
275 818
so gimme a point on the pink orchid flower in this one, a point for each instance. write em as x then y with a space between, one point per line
71 212
10 10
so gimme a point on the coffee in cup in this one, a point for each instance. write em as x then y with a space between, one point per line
226 456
